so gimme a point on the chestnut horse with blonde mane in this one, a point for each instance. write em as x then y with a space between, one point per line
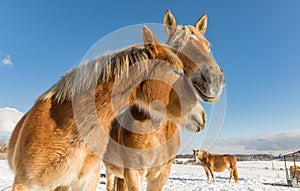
217 163
139 149
60 141
158 146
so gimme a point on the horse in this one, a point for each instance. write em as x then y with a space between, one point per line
138 149
217 163
129 169
295 172
60 141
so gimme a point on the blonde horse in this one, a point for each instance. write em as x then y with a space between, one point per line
60 141
131 157
139 149
217 163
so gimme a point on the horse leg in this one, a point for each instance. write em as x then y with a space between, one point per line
120 184
211 170
89 183
207 173
158 182
89 178
133 180
20 184
235 174
110 178
231 174
20 187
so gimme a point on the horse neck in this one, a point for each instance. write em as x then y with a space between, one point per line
140 84
189 65
138 125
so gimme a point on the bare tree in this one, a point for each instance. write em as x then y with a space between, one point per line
3 145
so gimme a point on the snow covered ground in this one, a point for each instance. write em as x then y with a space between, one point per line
253 176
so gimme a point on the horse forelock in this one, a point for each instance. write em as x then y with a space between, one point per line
178 38
195 33
182 34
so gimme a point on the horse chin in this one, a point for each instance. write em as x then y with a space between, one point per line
209 99
204 97
195 127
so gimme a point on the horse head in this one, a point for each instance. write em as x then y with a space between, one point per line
200 155
176 100
194 51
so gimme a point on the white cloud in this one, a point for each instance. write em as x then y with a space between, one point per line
275 143
7 60
9 117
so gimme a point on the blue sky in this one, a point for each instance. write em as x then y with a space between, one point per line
257 43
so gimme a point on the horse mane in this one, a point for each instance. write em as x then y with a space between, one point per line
100 70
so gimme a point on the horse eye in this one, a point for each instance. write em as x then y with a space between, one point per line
178 72
176 45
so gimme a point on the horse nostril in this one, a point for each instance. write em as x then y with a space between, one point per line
205 78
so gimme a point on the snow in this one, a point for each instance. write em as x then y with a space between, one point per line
6 175
252 176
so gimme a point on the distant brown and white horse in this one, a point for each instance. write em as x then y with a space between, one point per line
149 156
60 141
217 163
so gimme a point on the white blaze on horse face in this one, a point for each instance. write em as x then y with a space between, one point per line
194 37
196 156
199 154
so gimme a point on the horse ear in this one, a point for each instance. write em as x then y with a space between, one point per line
148 37
207 153
169 22
152 44
201 24
194 150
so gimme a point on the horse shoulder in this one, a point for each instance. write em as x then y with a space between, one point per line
42 119
13 142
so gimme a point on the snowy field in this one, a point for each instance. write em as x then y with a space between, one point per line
253 176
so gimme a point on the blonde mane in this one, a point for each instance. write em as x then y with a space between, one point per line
90 73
